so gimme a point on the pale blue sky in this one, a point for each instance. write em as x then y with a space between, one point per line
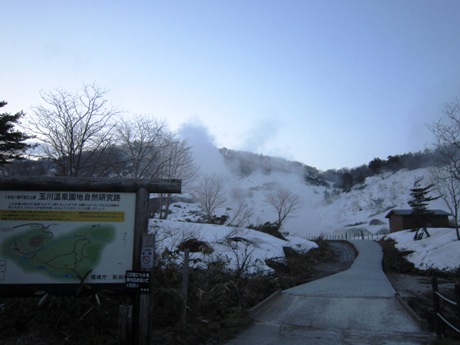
331 84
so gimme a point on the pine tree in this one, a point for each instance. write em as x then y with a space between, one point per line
12 143
419 204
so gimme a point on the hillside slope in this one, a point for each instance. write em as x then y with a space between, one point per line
325 210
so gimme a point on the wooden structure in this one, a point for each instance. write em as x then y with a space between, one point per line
445 325
135 321
404 219
141 189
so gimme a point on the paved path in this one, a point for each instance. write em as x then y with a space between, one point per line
343 256
355 307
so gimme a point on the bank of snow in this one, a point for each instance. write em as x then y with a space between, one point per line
239 248
362 210
439 251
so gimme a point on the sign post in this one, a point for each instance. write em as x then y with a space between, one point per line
147 251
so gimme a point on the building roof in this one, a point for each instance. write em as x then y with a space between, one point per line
399 212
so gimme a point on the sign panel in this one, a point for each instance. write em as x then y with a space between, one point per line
138 280
147 251
61 237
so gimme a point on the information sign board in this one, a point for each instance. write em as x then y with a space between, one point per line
59 237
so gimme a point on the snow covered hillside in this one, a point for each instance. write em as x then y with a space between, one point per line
364 205
248 177
324 210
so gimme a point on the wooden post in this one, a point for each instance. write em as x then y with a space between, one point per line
125 322
457 299
153 238
142 320
436 305
143 302
184 291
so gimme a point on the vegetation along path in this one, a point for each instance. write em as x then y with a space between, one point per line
356 306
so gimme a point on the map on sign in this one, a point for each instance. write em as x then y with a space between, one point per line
67 256
65 237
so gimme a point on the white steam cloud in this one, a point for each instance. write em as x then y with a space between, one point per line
205 153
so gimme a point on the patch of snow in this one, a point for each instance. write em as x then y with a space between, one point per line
439 251
247 251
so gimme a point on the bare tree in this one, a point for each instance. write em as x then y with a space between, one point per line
144 143
447 138
210 193
151 150
181 166
447 172
449 190
75 130
284 202
180 162
241 215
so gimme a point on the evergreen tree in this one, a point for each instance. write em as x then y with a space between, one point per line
419 204
375 165
12 143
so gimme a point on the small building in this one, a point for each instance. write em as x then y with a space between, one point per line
404 219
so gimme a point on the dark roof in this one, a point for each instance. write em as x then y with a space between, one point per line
409 212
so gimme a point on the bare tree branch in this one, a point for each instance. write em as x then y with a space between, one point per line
75 130
284 202
447 173
210 193
143 142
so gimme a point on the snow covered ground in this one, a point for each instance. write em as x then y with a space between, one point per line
441 250
239 248
247 249
323 212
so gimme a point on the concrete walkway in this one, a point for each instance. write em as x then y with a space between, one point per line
356 307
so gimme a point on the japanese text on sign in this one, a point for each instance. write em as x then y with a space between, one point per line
139 280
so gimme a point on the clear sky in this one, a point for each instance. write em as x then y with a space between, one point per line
331 84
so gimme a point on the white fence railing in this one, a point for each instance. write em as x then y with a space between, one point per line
346 237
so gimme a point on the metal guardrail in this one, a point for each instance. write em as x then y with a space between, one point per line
441 321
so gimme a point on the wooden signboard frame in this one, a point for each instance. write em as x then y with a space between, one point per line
140 322
142 189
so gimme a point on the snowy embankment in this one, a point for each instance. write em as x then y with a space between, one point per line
239 248
246 249
361 210
439 251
